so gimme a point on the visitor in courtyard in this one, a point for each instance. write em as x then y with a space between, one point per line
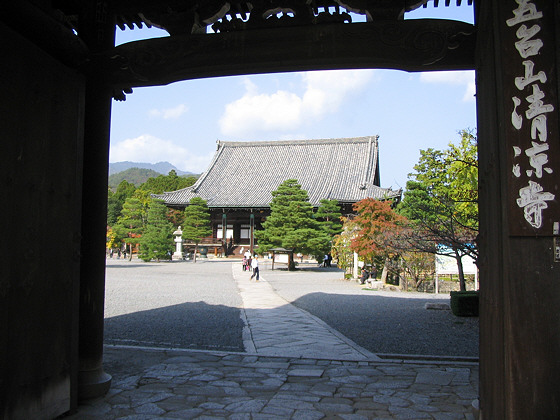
364 276
248 262
255 267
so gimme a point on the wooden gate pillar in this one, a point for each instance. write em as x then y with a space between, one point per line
519 171
97 28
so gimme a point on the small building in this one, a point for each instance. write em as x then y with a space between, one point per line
238 183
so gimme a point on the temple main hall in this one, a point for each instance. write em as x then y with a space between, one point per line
242 175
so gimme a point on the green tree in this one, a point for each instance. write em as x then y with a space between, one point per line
157 241
115 200
197 222
341 244
291 223
131 223
328 214
441 202
169 182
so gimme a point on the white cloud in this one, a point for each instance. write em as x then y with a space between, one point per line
151 149
324 93
169 113
261 112
466 78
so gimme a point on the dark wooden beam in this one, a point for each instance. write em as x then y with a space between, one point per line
44 31
412 45
519 311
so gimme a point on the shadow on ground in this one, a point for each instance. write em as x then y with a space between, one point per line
191 325
395 325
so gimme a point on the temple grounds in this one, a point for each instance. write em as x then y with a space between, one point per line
243 351
199 306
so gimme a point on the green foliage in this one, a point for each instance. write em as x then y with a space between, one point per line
135 176
291 223
133 215
341 244
132 221
116 200
328 214
441 201
450 178
156 242
170 182
197 222
148 182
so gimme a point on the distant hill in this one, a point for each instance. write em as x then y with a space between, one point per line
162 168
136 176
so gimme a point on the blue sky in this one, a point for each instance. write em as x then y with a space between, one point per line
180 123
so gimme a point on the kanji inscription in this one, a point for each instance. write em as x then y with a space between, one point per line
531 85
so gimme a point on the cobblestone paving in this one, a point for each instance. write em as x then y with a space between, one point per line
207 385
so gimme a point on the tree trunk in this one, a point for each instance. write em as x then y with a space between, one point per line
130 253
462 284
384 272
195 252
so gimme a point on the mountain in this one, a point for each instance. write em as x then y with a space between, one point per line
160 167
135 176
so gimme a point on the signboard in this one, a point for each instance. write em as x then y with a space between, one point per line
531 113
448 265
281 258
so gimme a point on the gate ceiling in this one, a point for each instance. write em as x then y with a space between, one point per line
219 38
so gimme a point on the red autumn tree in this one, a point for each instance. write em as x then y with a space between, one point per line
378 226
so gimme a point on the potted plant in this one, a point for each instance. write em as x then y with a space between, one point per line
464 303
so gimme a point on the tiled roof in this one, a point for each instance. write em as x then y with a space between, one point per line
243 174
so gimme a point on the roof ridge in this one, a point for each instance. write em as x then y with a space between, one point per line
339 169
363 139
202 177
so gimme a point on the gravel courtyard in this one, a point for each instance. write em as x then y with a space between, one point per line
197 306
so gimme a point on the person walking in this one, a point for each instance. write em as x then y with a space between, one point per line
255 267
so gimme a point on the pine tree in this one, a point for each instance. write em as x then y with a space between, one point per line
131 223
157 241
291 224
197 222
328 214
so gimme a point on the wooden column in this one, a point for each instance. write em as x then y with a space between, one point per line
97 29
252 233
519 171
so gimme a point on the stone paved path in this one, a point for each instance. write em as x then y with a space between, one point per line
277 328
295 367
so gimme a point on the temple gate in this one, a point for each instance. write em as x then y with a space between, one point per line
61 70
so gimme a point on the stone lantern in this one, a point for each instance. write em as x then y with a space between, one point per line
178 254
